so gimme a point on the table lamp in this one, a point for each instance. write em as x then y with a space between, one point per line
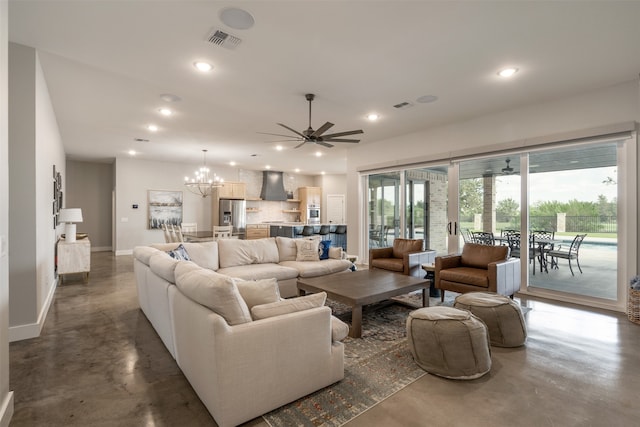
70 217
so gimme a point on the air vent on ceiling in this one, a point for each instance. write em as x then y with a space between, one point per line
221 38
140 140
403 105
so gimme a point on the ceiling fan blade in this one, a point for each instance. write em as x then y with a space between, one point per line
284 140
325 144
341 140
293 130
275 134
322 129
301 144
349 132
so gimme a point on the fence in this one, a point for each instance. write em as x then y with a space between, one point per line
572 224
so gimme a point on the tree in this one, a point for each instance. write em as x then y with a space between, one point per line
470 191
506 209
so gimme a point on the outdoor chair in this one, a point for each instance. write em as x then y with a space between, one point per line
513 240
572 253
483 238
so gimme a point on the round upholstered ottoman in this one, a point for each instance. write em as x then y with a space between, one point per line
449 342
501 314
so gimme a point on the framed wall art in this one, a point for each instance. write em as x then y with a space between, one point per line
165 207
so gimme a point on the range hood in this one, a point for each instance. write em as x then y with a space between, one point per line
273 186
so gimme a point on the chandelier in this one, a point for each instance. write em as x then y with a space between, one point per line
202 184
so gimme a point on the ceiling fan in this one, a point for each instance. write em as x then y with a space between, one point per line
508 170
311 136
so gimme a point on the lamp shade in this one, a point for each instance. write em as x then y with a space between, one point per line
70 215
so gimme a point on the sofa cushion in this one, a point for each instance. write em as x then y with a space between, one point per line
163 265
205 254
323 249
257 292
260 271
215 291
404 246
290 305
479 256
467 275
307 250
142 253
234 252
179 253
287 248
318 268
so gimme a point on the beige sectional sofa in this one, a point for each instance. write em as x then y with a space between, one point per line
244 349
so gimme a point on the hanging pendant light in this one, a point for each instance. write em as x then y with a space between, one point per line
202 183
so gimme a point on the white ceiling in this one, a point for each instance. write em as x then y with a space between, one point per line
107 62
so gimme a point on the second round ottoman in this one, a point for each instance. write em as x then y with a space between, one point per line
501 314
449 342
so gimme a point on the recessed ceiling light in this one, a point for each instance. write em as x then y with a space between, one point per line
296 170
507 72
372 117
165 111
322 173
152 128
232 163
279 147
203 66
237 18
318 154
425 99
267 167
132 152
169 97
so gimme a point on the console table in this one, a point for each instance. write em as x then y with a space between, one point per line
74 257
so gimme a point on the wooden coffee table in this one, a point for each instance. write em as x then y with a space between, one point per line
363 287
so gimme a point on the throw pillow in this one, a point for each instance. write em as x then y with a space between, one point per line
323 249
290 305
335 252
179 253
216 291
307 250
258 292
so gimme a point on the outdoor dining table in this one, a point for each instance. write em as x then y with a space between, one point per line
540 244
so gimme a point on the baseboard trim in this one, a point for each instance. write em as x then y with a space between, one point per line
32 330
6 410
124 252
100 248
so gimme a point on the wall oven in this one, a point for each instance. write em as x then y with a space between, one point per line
313 214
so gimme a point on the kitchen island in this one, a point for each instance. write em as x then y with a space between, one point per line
294 230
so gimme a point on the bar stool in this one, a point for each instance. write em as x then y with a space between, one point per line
341 236
324 230
307 231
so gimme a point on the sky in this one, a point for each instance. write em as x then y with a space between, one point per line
583 185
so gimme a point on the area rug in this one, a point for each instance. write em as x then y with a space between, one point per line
376 366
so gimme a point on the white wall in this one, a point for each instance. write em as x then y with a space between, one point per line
34 147
89 186
332 184
601 107
6 396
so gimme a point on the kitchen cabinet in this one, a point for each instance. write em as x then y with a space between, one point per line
257 231
309 196
232 190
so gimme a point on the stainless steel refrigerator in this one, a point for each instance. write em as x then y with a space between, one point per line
234 212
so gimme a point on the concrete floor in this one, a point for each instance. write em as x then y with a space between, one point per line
98 362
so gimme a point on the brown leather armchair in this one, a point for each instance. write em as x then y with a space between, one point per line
406 256
479 268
